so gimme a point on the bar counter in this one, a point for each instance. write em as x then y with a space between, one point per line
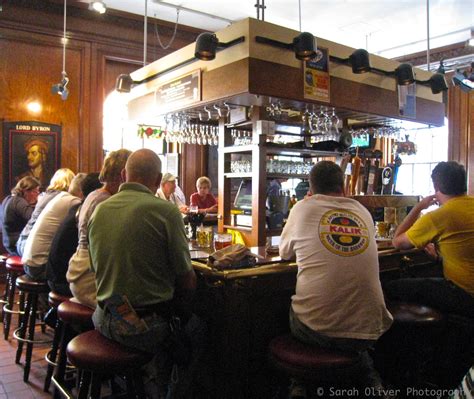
246 308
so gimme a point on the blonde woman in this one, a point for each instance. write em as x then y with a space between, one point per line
38 244
17 209
79 275
60 182
203 199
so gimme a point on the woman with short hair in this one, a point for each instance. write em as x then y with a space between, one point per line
17 209
80 275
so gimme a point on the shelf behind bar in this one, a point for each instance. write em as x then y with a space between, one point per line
238 228
269 175
238 175
282 151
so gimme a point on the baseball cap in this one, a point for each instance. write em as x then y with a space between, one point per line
168 177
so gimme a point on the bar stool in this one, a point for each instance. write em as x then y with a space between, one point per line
414 326
73 317
14 268
54 300
26 332
95 355
312 364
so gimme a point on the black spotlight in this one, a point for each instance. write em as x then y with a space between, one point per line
61 87
438 83
206 45
304 46
404 74
360 61
124 83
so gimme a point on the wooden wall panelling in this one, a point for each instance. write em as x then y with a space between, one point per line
29 65
193 164
99 48
460 125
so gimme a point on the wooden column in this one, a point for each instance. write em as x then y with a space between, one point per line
461 128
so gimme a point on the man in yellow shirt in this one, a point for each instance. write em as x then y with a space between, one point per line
451 229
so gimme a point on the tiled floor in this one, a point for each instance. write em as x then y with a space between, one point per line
11 374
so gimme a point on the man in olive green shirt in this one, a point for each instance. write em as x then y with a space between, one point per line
140 255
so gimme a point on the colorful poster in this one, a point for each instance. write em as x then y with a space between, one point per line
316 77
30 149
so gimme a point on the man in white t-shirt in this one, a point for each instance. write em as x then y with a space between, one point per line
338 301
167 192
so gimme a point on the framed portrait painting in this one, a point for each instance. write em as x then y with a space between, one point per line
30 149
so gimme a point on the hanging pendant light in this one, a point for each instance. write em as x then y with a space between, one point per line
61 87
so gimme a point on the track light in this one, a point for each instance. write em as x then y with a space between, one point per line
360 61
124 83
304 45
404 74
61 88
98 6
207 45
437 83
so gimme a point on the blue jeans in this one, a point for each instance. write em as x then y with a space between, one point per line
151 341
370 377
35 272
437 292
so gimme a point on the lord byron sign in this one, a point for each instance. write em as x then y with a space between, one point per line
30 149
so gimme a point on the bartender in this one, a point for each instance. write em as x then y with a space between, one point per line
274 187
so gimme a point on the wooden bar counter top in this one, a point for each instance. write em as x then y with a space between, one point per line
246 308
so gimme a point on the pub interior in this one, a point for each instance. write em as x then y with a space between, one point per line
255 108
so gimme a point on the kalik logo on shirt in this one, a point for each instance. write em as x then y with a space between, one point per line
343 233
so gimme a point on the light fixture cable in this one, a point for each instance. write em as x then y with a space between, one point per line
299 12
145 32
174 33
64 39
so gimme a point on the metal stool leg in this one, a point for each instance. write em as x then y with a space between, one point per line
22 329
30 336
4 300
8 307
84 385
96 385
52 355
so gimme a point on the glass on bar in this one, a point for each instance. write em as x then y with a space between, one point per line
222 241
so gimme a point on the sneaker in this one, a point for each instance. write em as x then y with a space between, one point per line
297 390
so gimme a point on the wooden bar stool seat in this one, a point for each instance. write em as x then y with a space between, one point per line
55 299
411 344
14 267
73 318
26 332
314 365
414 315
96 356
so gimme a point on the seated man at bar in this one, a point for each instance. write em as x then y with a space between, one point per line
338 302
451 229
140 255
167 192
204 199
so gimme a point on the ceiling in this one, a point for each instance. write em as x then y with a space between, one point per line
390 28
